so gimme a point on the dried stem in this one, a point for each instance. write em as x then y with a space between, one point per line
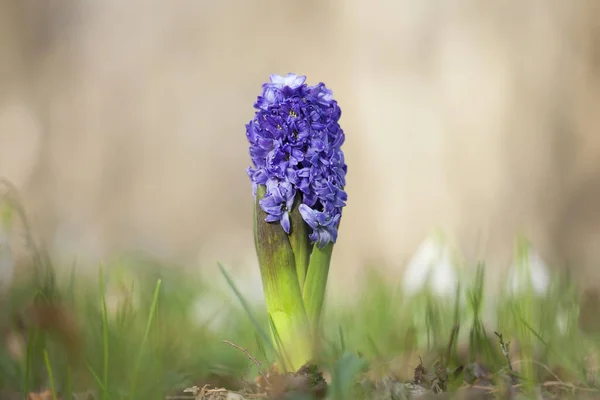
252 358
505 350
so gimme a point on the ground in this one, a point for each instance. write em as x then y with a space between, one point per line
133 336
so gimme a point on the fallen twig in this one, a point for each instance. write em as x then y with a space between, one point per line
505 350
254 360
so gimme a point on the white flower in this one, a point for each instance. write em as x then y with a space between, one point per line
431 266
529 271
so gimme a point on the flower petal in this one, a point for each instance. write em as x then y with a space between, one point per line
308 215
285 222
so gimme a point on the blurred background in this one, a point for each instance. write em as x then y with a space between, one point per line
122 125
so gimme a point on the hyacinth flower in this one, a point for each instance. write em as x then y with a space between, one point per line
298 176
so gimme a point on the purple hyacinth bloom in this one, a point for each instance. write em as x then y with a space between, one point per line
278 202
295 147
324 224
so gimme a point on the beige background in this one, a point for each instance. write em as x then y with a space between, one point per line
122 123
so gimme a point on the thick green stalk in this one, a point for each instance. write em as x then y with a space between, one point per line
283 295
300 242
316 283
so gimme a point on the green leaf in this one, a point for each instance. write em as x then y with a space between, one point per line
281 288
300 242
344 373
316 283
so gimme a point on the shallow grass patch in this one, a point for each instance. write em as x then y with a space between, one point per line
139 341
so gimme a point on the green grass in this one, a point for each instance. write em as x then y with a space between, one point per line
149 347
50 375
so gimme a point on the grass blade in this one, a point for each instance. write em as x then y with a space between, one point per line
374 348
104 335
95 376
144 339
263 335
50 375
342 340
29 360
69 389
261 348
533 331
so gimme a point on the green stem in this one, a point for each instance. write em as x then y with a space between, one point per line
300 242
316 283
281 288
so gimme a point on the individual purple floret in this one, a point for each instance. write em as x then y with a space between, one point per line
295 147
